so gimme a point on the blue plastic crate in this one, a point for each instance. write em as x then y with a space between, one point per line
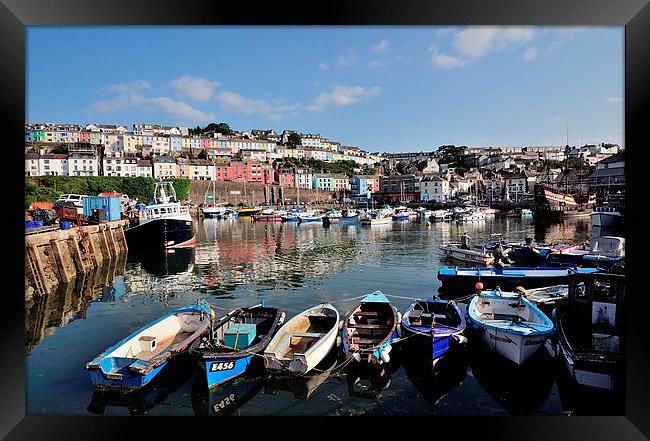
240 335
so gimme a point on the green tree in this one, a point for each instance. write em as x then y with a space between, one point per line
294 139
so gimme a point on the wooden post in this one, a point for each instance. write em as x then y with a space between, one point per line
104 242
111 240
78 257
93 250
123 238
58 258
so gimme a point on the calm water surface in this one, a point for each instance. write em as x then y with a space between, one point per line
291 266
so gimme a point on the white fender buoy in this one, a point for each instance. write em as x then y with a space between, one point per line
339 340
341 325
399 317
461 339
385 354
357 357
399 331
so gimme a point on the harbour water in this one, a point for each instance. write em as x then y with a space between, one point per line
291 266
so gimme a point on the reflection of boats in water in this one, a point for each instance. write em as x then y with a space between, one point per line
302 387
368 381
141 401
435 384
161 263
227 398
519 389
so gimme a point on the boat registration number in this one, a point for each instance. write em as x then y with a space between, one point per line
224 403
222 366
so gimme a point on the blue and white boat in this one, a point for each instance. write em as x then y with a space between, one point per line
432 326
137 359
290 216
464 279
509 324
237 343
310 217
369 329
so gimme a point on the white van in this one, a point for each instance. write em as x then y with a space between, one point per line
76 199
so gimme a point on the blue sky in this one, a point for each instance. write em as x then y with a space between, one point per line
378 88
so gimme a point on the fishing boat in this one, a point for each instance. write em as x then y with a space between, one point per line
137 359
589 328
375 218
402 213
529 251
269 215
442 215
569 255
432 326
463 252
310 216
248 211
464 279
163 224
606 216
304 341
545 298
598 251
605 250
290 216
237 342
369 329
509 324
342 217
471 216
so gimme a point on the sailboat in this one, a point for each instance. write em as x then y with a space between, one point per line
551 203
212 209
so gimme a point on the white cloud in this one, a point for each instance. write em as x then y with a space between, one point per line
615 99
380 47
531 54
198 89
323 66
129 87
342 96
177 109
475 42
445 61
380 63
272 110
129 97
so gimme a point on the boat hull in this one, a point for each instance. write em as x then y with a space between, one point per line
221 370
464 279
161 233
115 370
605 219
466 255
516 341
379 352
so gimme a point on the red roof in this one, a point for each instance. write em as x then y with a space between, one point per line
110 193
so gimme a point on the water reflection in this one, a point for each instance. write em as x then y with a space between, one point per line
435 384
69 302
226 399
141 401
520 389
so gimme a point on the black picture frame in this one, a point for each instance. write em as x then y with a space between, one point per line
15 15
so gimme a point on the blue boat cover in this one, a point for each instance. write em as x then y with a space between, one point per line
375 297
